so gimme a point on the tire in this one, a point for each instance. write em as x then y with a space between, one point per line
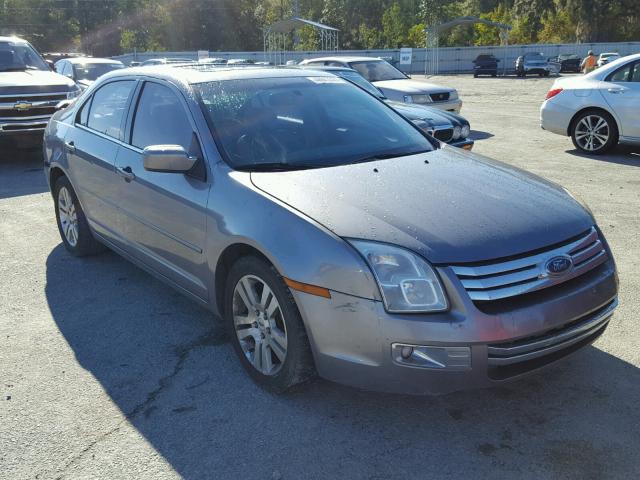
72 223
604 130
262 329
546 74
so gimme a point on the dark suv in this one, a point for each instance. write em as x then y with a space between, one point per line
485 64
29 92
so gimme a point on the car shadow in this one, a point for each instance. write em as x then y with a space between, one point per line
623 154
21 172
166 364
476 135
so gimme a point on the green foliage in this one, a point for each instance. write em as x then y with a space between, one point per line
109 27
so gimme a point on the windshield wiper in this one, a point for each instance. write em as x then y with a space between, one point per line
275 167
386 156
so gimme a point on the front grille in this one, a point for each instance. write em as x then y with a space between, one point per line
513 358
57 97
498 280
443 135
32 112
439 97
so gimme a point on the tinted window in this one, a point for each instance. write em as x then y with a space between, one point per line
635 74
161 119
377 70
83 115
109 107
303 122
355 77
624 74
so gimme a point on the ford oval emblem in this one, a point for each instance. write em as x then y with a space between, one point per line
559 265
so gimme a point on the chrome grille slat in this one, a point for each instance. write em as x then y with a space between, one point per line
494 281
528 349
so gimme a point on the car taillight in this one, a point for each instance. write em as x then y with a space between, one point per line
553 92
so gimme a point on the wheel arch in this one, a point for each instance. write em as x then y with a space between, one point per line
54 174
594 109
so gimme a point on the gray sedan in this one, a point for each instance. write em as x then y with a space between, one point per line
331 234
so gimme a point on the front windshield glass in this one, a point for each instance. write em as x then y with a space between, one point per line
303 122
17 57
377 70
355 77
534 56
91 71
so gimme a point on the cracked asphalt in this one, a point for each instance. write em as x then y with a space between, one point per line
106 373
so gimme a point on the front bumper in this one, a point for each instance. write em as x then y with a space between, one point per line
353 339
24 126
449 106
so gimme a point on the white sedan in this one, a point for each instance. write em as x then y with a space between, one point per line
599 109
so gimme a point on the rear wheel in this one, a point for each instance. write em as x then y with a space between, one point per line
265 326
594 132
72 223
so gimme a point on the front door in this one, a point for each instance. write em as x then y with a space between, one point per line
622 92
164 213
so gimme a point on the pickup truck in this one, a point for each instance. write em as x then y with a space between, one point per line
29 92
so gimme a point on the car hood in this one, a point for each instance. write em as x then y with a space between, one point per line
457 208
406 85
33 81
432 116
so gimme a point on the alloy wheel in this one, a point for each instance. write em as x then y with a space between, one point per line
592 133
68 216
259 325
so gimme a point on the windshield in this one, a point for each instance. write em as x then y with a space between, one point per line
377 70
92 71
355 77
16 57
303 122
534 56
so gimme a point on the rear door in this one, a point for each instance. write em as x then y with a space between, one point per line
622 92
164 213
92 147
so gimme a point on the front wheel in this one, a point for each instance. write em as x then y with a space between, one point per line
265 326
594 132
72 223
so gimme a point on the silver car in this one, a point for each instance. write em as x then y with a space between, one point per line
393 83
331 235
599 109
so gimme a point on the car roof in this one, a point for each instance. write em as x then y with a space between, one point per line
12 40
193 73
86 60
328 68
345 59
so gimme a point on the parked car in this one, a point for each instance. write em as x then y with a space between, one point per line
84 71
329 232
393 83
240 61
213 61
568 62
485 64
447 127
599 109
605 58
164 61
29 92
533 63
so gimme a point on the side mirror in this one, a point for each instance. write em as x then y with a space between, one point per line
167 158
63 104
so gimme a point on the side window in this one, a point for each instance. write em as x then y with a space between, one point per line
109 108
635 73
621 75
83 114
59 66
160 119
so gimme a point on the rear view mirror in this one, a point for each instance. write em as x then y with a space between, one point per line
167 158
63 104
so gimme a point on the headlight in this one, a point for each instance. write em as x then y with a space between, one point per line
74 93
408 99
453 95
407 282
457 131
465 131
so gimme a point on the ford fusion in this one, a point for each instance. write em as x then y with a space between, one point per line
331 234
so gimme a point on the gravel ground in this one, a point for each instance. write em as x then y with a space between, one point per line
107 373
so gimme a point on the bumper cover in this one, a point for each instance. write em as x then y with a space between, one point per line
355 340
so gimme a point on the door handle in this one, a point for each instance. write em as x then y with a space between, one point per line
615 90
70 146
126 173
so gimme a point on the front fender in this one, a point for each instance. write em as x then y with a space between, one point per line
298 247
